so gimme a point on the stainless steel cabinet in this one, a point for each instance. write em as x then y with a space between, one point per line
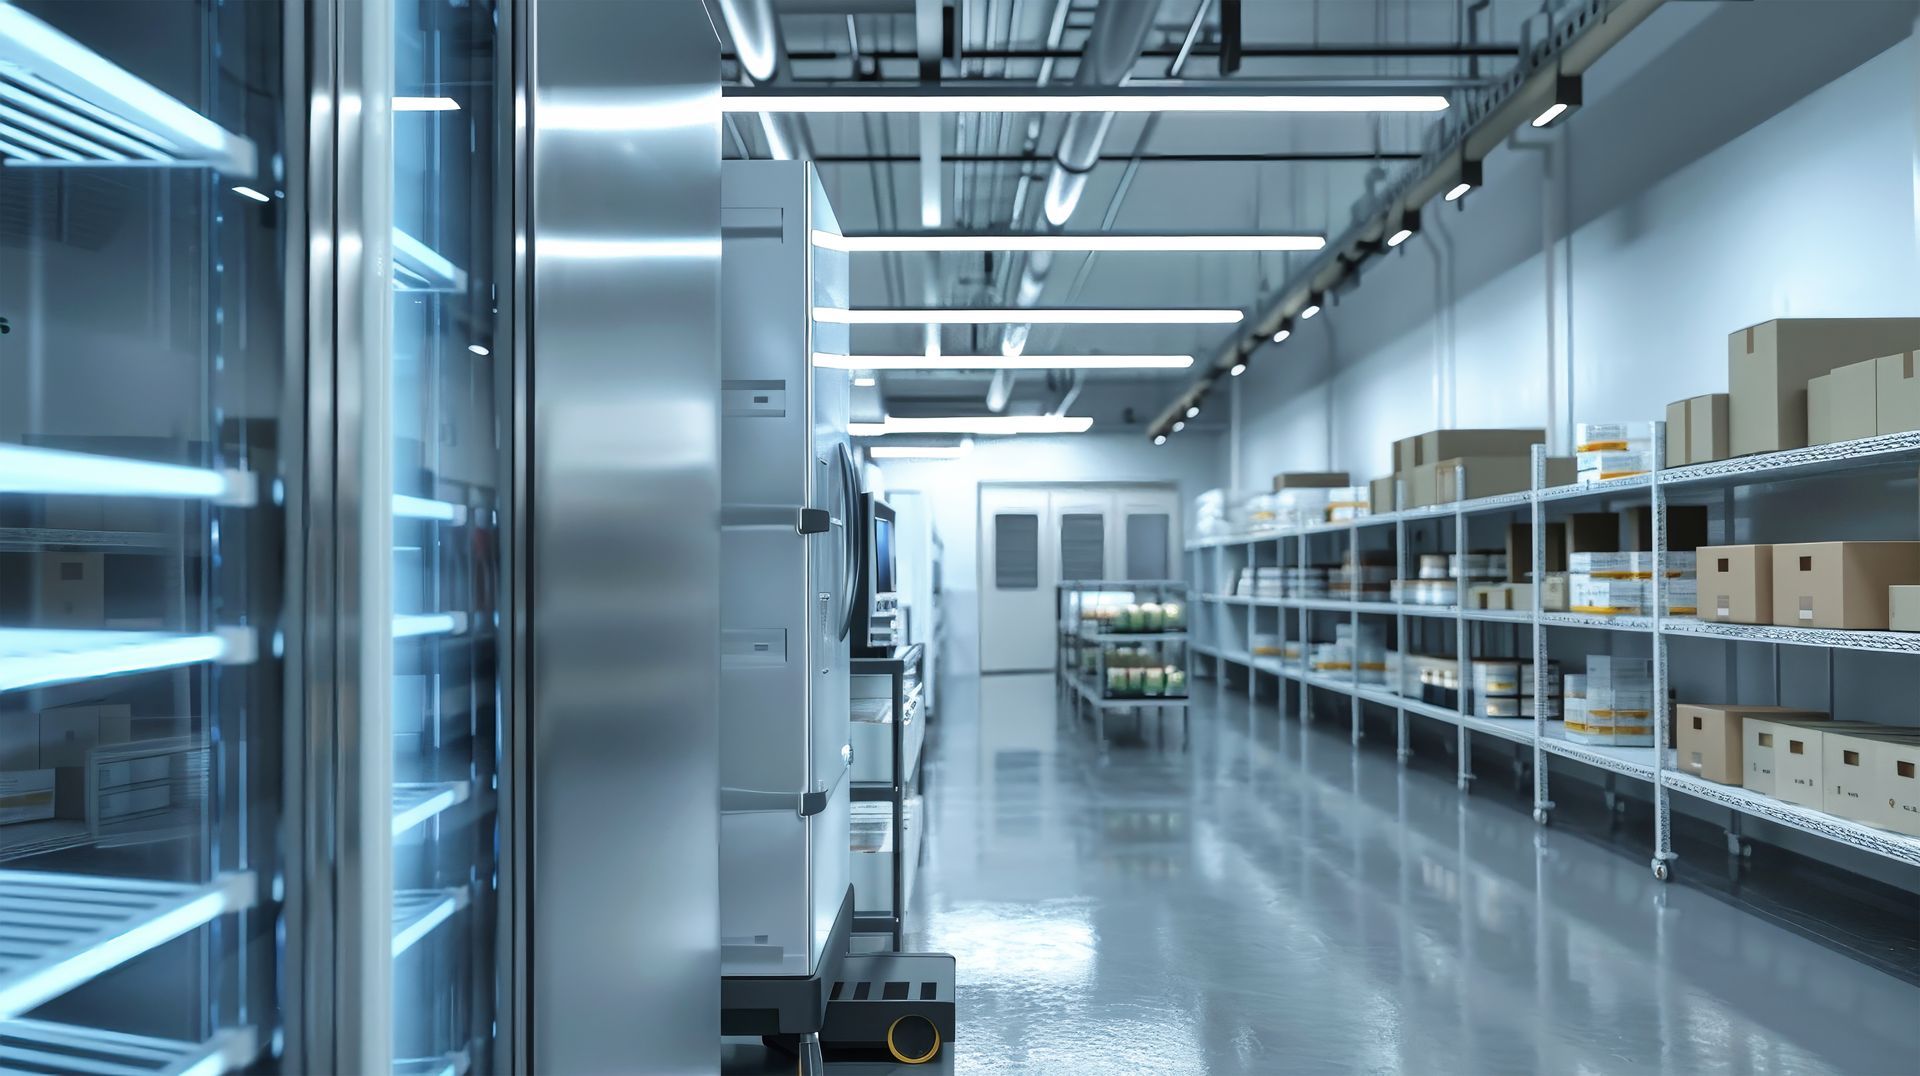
146 323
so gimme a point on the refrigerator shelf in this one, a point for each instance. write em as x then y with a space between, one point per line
41 1046
60 930
412 625
55 472
415 804
62 105
453 1064
43 657
416 912
406 506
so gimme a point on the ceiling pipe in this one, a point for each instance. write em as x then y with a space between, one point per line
1113 46
1470 132
755 31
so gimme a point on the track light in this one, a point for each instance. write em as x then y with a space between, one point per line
1285 332
936 243
1566 98
1409 224
1311 308
822 360
756 99
425 104
1023 316
1159 438
1193 411
249 192
1399 237
1238 369
1470 178
1178 426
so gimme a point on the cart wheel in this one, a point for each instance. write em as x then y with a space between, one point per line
913 1040
1541 816
1462 784
1660 871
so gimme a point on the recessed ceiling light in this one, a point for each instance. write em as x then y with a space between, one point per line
985 425
1003 362
1021 316
865 382
746 99
968 244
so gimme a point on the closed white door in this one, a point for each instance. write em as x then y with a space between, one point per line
1016 580
1147 522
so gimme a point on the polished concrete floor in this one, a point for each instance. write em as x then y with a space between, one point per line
1266 899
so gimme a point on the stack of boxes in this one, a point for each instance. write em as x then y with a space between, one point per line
1370 581
1505 688
1442 466
1849 586
1261 582
1614 704
1305 498
1697 429
1607 450
1771 368
1365 651
1855 770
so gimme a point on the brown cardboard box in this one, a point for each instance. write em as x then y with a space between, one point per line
1520 551
1841 404
1769 365
1311 480
1437 445
1760 741
1896 393
1707 739
1799 763
1707 428
1380 495
1840 584
1736 583
1489 596
1897 770
1686 528
1406 454
1851 767
1678 437
1903 608
1593 532
1481 476
72 590
1419 487
1555 593
1561 471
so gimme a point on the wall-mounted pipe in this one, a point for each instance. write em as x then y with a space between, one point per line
755 31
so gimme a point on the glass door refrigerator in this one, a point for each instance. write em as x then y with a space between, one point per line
148 333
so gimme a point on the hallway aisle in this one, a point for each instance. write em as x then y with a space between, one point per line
1272 901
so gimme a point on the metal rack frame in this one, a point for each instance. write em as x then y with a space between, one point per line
1654 765
1076 689
904 770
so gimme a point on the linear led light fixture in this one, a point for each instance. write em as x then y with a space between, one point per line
1566 98
415 803
930 243
948 101
1002 362
865 382
976 425
425 104
42 657
1019 316
414 625
68 105
51 472
920 452
1470 177
443 904
408 507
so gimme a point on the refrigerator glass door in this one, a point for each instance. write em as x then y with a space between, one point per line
145 344
445 423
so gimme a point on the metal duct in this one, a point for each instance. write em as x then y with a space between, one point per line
756 41
1119 33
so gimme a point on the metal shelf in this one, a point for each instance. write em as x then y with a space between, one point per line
1642 624
1094 697
1135 637
42 539
415 804
61 930
43 657
40 1046
416 912
1611 487
1894 846
416 625
453 1064
1631 761
1887 642
1840 456
1515 729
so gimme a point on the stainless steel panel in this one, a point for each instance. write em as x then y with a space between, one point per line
783 877
622 554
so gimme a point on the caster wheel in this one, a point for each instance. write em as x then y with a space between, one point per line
1404 757
1660 871
1463 784
1540 815
1746 850
913 1040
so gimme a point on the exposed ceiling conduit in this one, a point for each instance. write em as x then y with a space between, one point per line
756 42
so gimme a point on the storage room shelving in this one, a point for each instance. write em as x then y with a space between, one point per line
1225 623
889 732
1088 694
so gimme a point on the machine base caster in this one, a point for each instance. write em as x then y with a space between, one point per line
1540 816
1738 846
1661 872
1403 757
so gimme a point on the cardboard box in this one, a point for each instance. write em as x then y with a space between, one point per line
1380 495
1592 532
1707 739
1763 744
1437 445
1311 480
1469 477
26 796
1406 454
1736 583
1769 365
1520 551
1556 594
1686 528
1896 393
1841 405
1897 785
1707 429
67 733
72 590
1851 767
1678 436
1418 486
1903 608
1799 763
1840 584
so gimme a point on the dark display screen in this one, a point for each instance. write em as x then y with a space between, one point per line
883 555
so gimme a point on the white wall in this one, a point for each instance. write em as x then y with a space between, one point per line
1811 213
953 487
